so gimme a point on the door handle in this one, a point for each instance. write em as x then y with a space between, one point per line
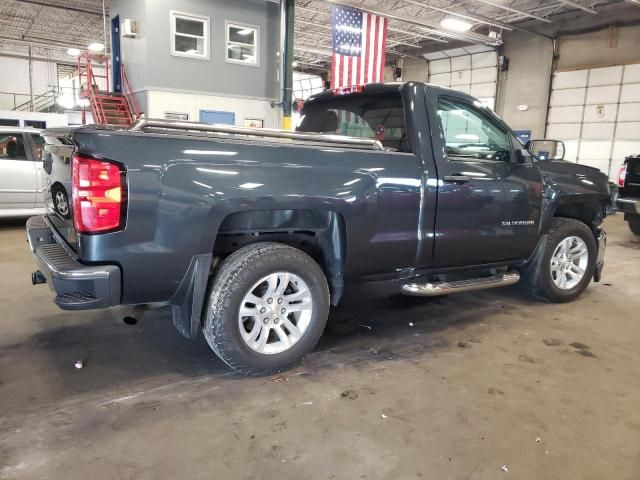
456 178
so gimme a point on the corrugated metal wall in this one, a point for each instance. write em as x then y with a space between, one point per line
475 74
596 112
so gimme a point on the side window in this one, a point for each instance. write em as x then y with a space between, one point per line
12 146
38 147
242 44
189 35
470 133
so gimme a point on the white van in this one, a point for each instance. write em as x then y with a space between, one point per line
22 178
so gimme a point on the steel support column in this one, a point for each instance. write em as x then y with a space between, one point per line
287 16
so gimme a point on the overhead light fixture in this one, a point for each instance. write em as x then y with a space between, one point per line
455 24
74 52
96 47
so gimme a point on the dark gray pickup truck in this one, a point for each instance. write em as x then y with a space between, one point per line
628 200
251 234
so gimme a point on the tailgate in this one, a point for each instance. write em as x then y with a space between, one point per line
58 151
632 180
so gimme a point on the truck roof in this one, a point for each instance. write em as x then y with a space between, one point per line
19 129
371 88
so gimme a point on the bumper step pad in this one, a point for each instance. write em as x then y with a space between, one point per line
77 286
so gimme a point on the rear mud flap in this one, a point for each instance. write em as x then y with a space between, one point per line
188 301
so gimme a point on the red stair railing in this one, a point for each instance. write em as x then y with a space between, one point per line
107 107
129 94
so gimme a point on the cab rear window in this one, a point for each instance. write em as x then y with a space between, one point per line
379 117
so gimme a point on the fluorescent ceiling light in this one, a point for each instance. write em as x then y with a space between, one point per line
245 31
455 24
96 47
74 52
250 185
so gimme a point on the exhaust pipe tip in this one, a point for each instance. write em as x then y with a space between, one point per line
38 278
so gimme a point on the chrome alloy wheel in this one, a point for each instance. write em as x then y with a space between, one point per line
61 203
569 263
275 313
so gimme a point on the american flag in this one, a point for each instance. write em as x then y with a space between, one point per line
359 44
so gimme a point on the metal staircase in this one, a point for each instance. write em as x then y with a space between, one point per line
107 107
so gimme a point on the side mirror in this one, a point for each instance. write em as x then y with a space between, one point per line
546 149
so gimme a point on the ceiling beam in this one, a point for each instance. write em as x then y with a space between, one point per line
61 7
57 61
578 6
514 10
472 18
390 28
52 45
423 24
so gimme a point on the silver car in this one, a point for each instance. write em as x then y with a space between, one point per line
22 179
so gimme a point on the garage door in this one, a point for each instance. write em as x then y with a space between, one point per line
597 114
475 74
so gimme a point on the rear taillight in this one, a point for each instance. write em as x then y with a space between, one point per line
98 195
622 175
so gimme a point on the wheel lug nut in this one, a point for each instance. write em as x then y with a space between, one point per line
276 321
265 321
270 300
279 301
283 311
263 310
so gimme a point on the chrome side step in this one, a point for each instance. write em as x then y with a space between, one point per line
433 289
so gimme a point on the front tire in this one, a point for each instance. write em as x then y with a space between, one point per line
268 305
568 263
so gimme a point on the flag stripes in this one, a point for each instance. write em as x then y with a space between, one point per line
359 44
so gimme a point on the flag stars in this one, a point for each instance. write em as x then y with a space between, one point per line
347 31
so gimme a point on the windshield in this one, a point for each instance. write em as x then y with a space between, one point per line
379 117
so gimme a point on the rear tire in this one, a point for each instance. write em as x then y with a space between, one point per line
568 263
634 224
268 305
61 201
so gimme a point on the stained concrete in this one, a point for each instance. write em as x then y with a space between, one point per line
451 388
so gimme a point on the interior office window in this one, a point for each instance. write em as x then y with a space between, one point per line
471 133
12 146
35 124
189 35
242 44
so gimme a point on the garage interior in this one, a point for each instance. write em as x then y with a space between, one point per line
479 385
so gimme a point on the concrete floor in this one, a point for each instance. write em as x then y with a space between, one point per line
452 388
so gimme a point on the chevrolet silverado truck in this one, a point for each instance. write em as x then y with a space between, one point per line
628 200
249 235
